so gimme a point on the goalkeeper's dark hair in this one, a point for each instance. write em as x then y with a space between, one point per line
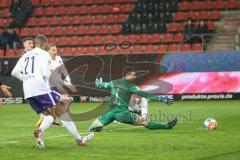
127 71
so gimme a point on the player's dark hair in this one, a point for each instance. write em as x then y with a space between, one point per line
41 41
27 39
128 71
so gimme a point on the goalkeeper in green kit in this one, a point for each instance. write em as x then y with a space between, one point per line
121 92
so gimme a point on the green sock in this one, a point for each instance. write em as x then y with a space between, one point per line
154 125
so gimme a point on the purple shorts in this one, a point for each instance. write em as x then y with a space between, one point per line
42 102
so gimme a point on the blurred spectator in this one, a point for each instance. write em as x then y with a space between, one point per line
126 28
161 7
168 16
156 16
138 7
138 28
20 10
150 6
202 29
162 27
149 28
189 31
6 68
9 39
145 17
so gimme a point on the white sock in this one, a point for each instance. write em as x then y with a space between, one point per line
69 124
47 122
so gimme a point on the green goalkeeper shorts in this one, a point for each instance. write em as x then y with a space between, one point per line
120 115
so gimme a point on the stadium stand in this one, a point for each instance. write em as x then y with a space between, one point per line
87 25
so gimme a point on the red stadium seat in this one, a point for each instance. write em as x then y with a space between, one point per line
85 40
103 29
47 31
185 47
80 50
35 2
120 18
83 9
220 4
126 8
192 15
49 11
172 27
72 10
233 4
114 29
25 32
69 30
208 5
66 2
161 48
10 53
54 21
91 50
5 12
184 6
196 5
60 11
214 15
132 38
108 39
80 30
56 2
43 21
101 50
137 49
52 40
203 15
92 29
179 16
99 19
155 38
173 48
178 37
210 25
32 21
76 20
94 9
68 51
120 38
110 18
46 2
197 47
74 40
143 38
167 38
87 19
65 20
57 31
96 40
148 48
105 9
35 31
62 41
38 11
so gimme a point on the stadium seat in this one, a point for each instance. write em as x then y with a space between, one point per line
179 16
172 27
208 5
32 21
68 51
214 15
94 9
76 20
38 11
155 38
35 3
178 37
108 39
66 2
1 53
10 53
105 9
101 50
132 38
46 3
99 19
35 31
197 47
120 38
92 29
53 21
5 12
62 41
196 5
43 21
91 50
65 20
173 48
57 2
69 30
80 50
126 8
143 38
137 49
148 48
74 40
220 4
167 38
110 18
192 14
80 30
120 18
85 40
202 15
184 6
49 11
233 4
53 40
103 29
87 19
96 40
185 47
60 10
162 48
114 29
210 25
83 10
25 32
72 10
47 31
57 31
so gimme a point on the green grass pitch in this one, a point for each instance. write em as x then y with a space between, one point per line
187 141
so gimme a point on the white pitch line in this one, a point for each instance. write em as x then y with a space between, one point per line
9 142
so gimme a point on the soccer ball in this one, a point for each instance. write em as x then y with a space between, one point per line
210 124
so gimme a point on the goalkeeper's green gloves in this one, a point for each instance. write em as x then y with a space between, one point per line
99 83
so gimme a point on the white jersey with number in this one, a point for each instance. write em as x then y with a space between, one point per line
141 107
33 68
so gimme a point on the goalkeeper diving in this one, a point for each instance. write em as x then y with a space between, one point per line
118 106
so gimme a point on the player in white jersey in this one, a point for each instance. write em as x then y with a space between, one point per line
139 105
33 68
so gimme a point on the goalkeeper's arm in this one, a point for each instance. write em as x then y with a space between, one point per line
100 84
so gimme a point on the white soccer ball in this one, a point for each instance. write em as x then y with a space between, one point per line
210 124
